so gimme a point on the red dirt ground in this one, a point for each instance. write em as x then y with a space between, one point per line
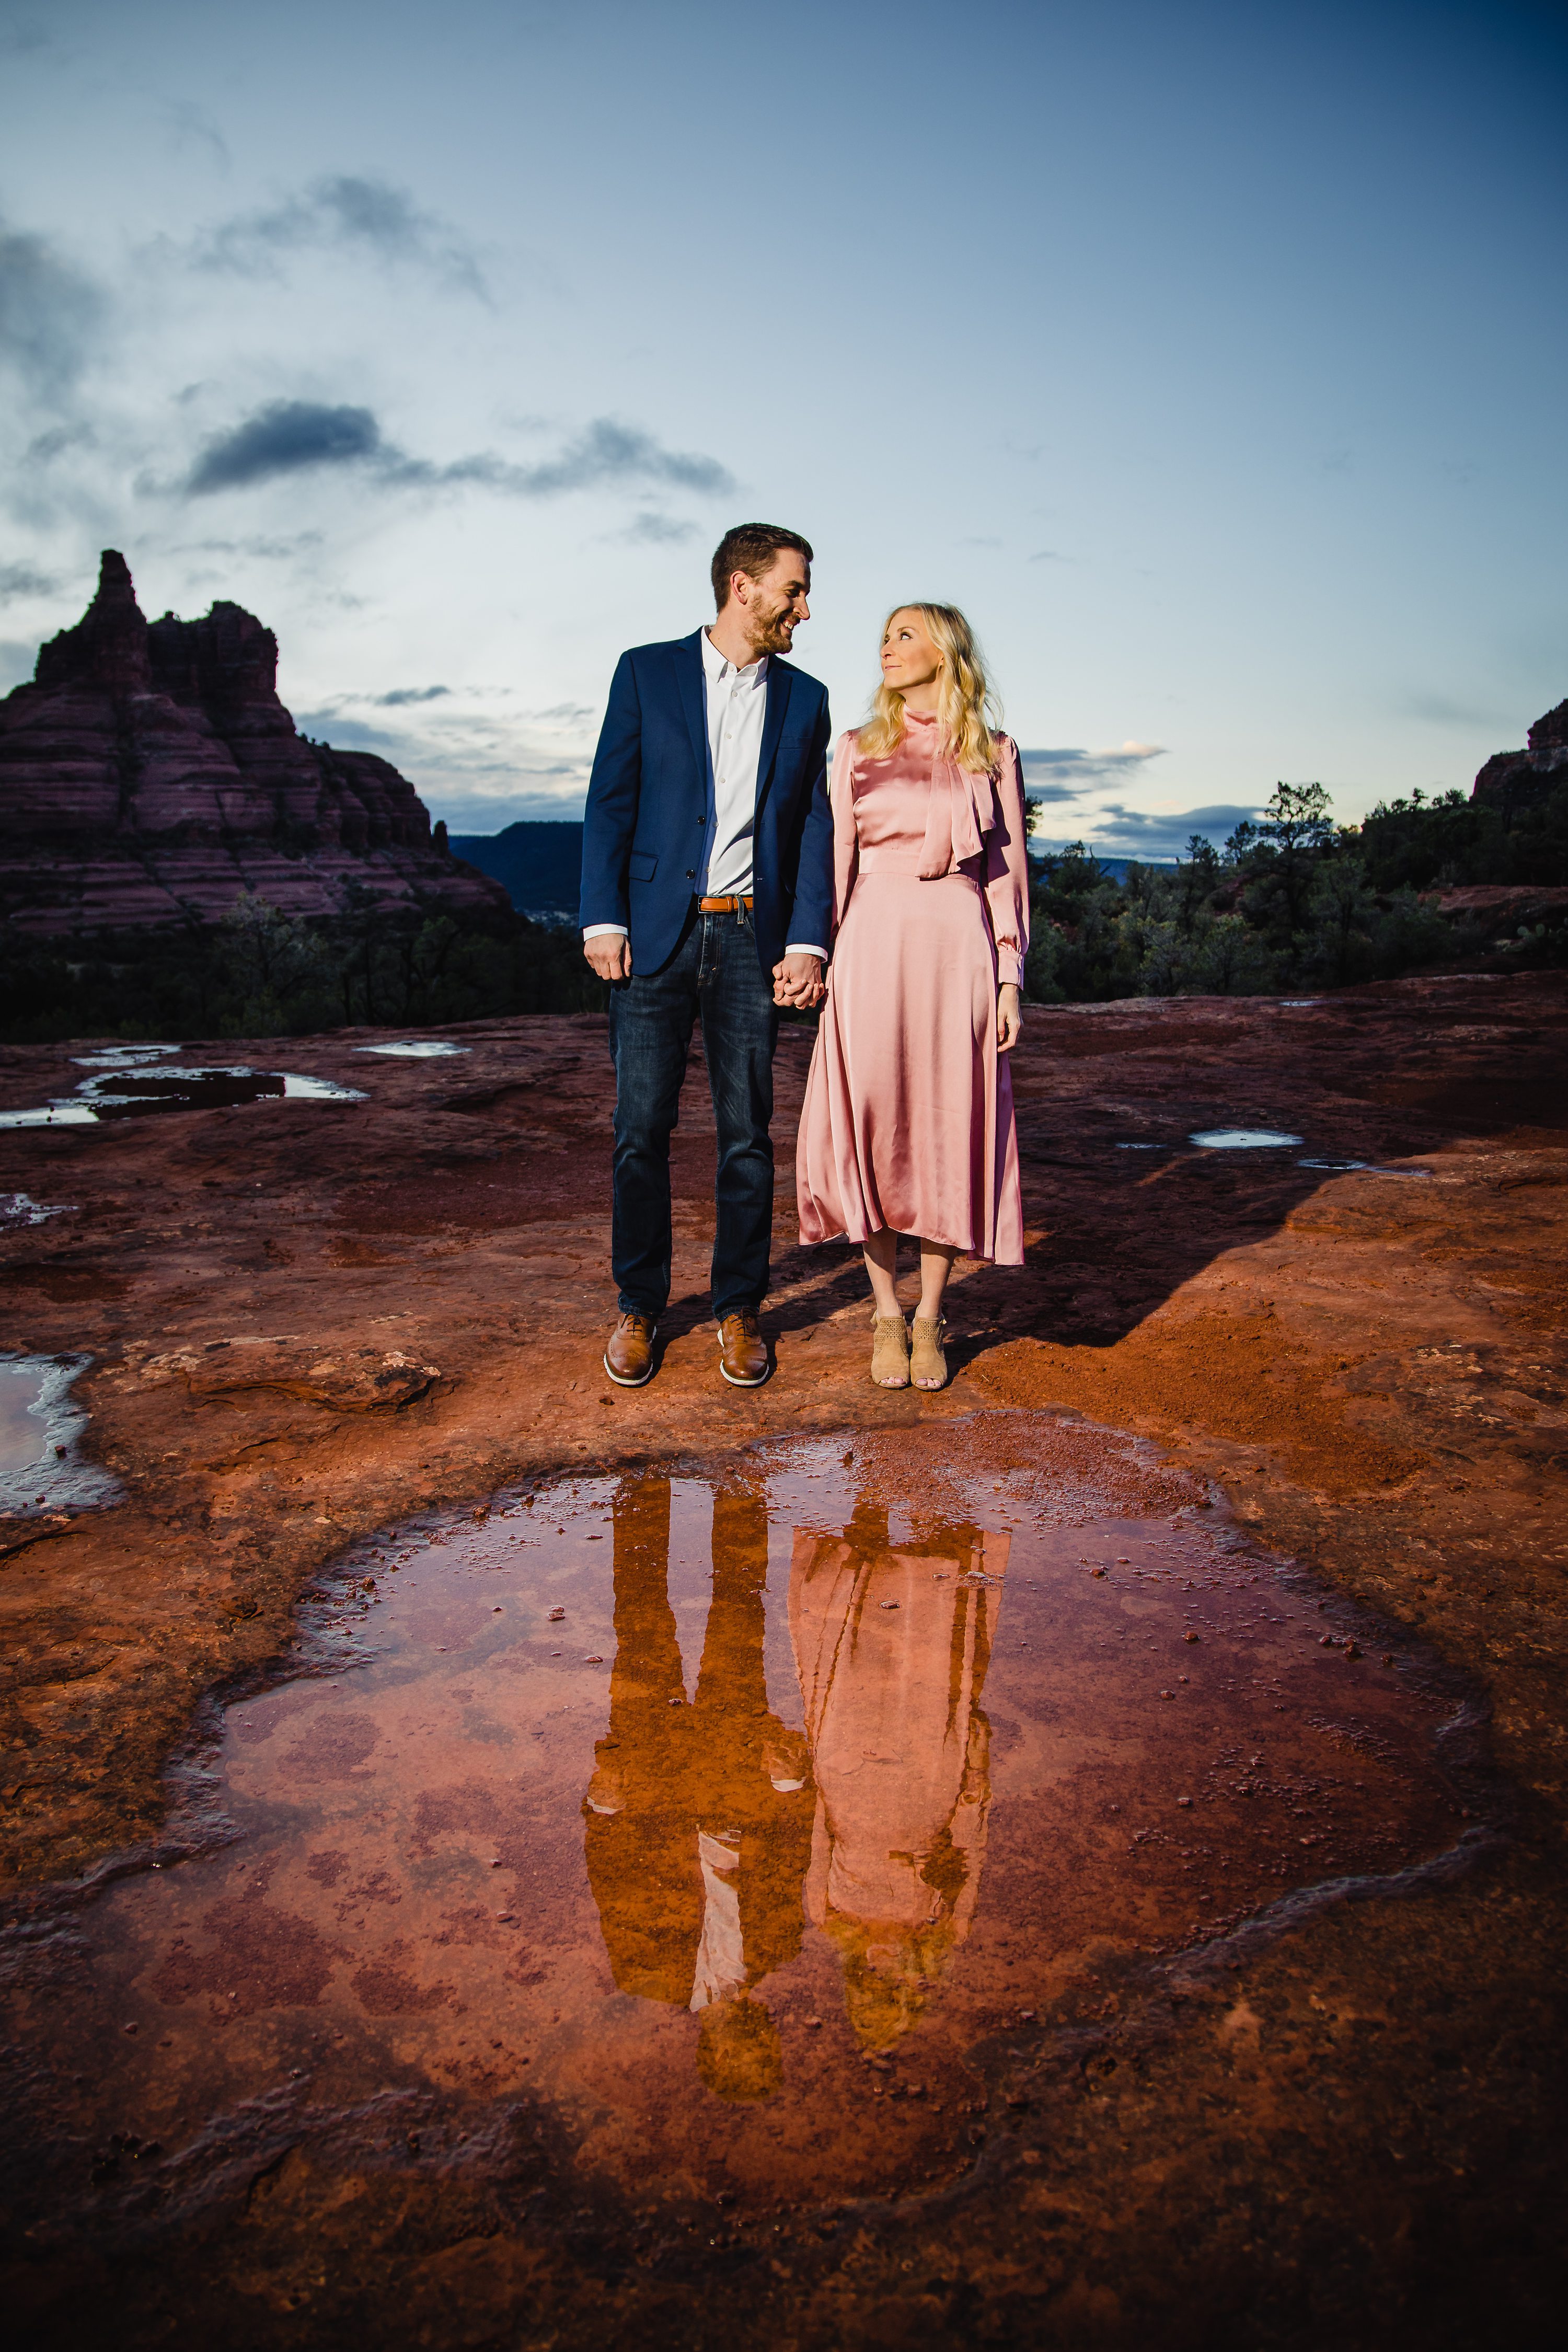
309 1322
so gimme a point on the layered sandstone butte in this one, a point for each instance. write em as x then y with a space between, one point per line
1516 780
150 776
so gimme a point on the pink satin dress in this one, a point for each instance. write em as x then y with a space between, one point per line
908 1119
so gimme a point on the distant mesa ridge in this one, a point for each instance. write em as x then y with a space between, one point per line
150 776
539 860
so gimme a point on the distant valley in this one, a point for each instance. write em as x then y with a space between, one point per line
539 864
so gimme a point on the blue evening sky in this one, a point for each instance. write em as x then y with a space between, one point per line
1211 356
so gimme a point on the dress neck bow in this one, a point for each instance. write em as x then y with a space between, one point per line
961 812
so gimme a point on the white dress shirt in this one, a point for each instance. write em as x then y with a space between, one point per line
736 702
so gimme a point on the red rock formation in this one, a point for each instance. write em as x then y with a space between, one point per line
150 776
1504 905
1519 779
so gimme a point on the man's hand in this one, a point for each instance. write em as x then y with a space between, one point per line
797 981
1009 1016
610 955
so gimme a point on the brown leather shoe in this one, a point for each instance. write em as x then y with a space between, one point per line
628 1359
742 1350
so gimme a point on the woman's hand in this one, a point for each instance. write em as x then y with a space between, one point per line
1009 1016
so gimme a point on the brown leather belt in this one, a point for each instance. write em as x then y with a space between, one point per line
722 905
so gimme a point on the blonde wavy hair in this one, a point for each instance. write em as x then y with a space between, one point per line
968 711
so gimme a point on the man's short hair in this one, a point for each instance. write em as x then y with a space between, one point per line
751 548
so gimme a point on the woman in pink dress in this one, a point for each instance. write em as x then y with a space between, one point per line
907 1126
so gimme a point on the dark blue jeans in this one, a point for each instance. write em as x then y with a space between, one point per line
714 973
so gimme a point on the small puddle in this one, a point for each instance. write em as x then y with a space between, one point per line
1262 1138
21 1431
1245 1138
417 1049
726 1830
16 1211
130 1085
41 1467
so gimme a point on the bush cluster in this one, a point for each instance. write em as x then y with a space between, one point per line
1293 901
262 973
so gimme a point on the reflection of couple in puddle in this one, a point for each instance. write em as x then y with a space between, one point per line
714 1831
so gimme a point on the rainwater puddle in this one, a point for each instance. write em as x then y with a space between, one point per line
21 1431
41 1469
723 1831
417 1049
129 1088
122 1058
1259 1138
1244 1139
16 1211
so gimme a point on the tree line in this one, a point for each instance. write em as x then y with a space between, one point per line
1291 900
259 972
1294 899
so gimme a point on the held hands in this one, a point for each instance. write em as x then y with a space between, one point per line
797 981
1009 1016
610 955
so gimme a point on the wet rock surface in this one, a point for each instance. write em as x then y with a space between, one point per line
1271 2117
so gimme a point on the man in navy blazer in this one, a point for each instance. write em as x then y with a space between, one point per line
708 890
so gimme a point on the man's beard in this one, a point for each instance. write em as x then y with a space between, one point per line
770 633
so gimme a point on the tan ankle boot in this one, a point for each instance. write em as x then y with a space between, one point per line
889 1351
927 1365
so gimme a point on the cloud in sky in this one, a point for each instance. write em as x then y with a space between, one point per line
292 437
18 658
1444 711
346 734
1121 832
22 40
19 580
191 125
477 754
285 437
50 314
1085 768
343 210
658 531
608 451
45 447
270 550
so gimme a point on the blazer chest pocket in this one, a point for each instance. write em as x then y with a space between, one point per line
640 866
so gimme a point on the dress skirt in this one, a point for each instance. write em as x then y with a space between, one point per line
908 1120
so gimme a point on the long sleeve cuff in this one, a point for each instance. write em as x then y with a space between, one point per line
805 947
605 932
1009 966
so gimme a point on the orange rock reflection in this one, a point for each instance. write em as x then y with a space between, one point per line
713 1831
891 1646
698 1817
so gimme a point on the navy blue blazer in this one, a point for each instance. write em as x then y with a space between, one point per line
648 830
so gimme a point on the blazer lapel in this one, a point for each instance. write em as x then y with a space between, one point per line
772 727
688 678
